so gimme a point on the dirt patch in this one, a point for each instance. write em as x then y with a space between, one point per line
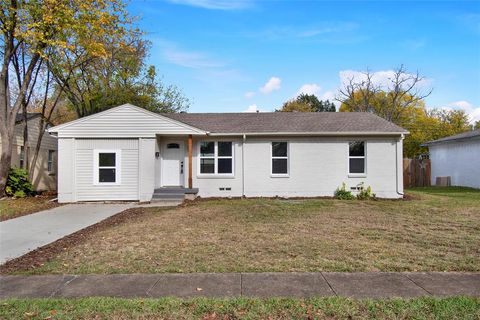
39 256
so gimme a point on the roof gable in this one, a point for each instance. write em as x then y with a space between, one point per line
124 121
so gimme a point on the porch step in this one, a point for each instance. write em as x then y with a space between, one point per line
170 196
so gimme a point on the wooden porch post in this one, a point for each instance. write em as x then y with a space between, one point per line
190 143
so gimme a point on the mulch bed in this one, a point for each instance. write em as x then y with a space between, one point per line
39 256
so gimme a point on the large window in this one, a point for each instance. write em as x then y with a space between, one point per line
279 158
356 157
51 153
107 167
216 157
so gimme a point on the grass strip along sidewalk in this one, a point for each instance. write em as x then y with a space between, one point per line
241 308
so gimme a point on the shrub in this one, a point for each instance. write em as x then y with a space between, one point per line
366 194
18 184
342 194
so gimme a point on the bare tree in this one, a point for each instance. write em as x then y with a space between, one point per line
390 99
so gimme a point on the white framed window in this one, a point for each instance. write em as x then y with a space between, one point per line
51 154
357 158
215 157
280 158
107 166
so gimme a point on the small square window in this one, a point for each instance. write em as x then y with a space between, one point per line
106 159
207 165
279 149
106 175
224 149
279 166
207 149
225 165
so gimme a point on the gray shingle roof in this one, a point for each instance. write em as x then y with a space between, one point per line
30 115
462 136
288 122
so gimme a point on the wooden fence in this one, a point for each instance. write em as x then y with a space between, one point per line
416 173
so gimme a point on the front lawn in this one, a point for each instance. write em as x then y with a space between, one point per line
241 308
12 208
437 230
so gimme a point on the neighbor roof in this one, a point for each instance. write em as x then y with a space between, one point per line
458 137
30 115
288 122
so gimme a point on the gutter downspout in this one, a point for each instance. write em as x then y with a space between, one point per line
397 165
243 164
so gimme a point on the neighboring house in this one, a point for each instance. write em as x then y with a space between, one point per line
457 157
45 174
128 153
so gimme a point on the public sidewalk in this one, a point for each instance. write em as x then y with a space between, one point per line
357 285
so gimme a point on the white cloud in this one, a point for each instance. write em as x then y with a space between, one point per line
309 88
380 78
272 84
249 94
253 108
215 4
472 112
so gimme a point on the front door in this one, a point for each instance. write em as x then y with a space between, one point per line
172 164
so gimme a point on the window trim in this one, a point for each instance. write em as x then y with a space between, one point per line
364 157
280 175
215 158
50 161
117 167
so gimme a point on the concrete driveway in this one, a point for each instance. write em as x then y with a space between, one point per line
21 235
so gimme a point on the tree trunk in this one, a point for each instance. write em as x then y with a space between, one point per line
5 160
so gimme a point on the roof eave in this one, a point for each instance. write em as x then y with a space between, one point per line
341 133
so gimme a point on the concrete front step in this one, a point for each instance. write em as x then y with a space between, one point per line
168 196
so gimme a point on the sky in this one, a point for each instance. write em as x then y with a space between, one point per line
248 55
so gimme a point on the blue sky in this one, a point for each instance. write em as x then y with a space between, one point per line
228 56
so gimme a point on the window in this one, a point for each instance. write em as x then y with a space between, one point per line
22 157
356 157
279 158
50 160
216 157
107 167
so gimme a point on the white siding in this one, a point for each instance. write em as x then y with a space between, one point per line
123 122
317 166
66 170
84 187
459 160
146 168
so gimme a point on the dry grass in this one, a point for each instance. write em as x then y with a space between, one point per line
439 230
11 208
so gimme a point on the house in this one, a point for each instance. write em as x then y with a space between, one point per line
457 157
44 178
129 153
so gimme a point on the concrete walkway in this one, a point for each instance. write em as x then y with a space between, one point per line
23 234
357 285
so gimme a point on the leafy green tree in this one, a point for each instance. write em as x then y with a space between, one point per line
35 31
295 106
315 104
308 103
